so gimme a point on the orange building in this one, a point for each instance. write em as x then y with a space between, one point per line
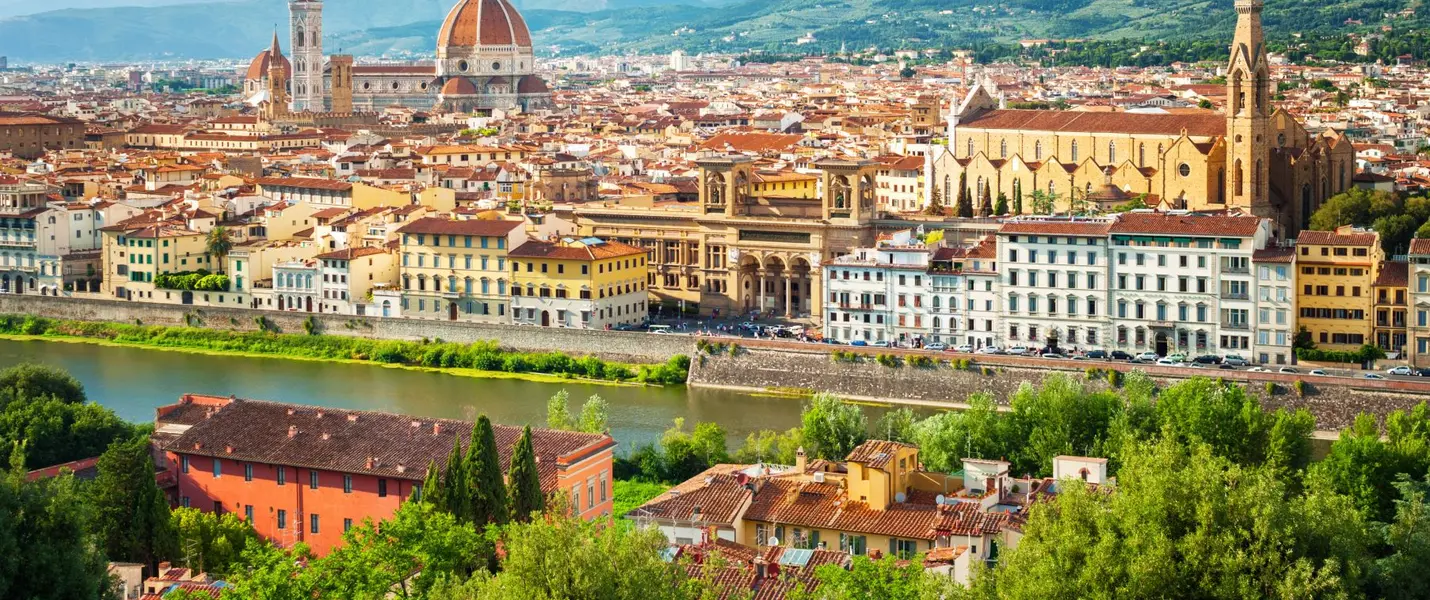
307 474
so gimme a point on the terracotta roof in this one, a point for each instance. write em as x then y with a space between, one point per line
9 118
311 183
716 494
1420 246
543 249
258 69
1058 227
351 253
459 86
531 84
1186 224
1274 254
1204 125
483 23
363 442
1331 238
875 453
440 226
752 142
1393 274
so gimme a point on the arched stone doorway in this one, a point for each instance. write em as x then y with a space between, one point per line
545 318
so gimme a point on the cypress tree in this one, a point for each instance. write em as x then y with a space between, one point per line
965 203
488 491
432 486
1017 196
526 497
456 493
986 208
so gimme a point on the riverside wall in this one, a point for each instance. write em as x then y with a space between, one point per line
773 367
615 345
761 365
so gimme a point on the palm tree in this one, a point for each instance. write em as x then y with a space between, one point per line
218 245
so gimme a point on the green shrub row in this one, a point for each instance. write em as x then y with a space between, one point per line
483 356
199 280
1365 353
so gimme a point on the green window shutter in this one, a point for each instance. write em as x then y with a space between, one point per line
893 547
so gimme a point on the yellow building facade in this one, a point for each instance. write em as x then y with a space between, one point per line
457 270
586 284
1336 272
133 257
1253 157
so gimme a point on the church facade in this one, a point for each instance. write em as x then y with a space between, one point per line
1253 157
484 61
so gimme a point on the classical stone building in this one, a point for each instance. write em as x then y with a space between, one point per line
1253 157
736 251
484 61
31 135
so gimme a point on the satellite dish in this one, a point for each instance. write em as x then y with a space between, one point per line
774 541
939 499
900 497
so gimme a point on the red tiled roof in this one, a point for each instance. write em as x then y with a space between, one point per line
543 249
341 440
440 226
1203 125
1331 238
1032 227
875 454
1420 246
1393 274
1186 224
351 253
311 183
483 23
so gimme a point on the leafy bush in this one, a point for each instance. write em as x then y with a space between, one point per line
1114 377
1300 387
922 362
1367 352
1270 388
200 280
888 360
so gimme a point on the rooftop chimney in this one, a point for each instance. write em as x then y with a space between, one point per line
325 435
290 412
292 431
370 462
401 468
436 428
320 414
352 418
228 449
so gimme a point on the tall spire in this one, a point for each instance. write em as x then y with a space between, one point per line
273 51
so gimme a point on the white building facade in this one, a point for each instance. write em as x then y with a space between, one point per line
1054 280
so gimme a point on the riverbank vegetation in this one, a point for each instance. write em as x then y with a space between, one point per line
1214 497
479 356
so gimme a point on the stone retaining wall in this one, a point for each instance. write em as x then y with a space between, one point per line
617 345
758 367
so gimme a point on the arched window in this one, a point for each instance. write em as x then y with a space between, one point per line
1141 155
436 284
1003 149
1074 151
1111 153
936 322
1236 179
1038 150
970 147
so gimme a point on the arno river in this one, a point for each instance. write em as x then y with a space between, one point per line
133 381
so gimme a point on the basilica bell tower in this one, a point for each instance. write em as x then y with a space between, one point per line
1248 81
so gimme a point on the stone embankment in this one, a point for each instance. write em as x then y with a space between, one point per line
779 366
613 345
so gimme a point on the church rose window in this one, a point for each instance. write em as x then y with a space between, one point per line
496 66
462 66
1184 169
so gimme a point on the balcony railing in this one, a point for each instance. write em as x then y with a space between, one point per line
1234 296
1236 326
1230 270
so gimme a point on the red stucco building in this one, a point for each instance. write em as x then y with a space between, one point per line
306 474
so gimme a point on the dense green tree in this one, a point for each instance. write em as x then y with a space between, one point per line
1187 523
832 427
1401 575
57 431
558 411
897 425
1058 418
594 415
483 469
455 494
432 487
131 514
946 438
403 557
1396 231
210 542
47 550
1001 207
985 208
885 579
525 481
272 573
217 244
559 557
1355 206
29 380
1363 467
769 446
687 454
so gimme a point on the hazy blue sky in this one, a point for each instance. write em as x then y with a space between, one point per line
11 8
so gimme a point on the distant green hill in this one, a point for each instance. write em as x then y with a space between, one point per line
375 27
